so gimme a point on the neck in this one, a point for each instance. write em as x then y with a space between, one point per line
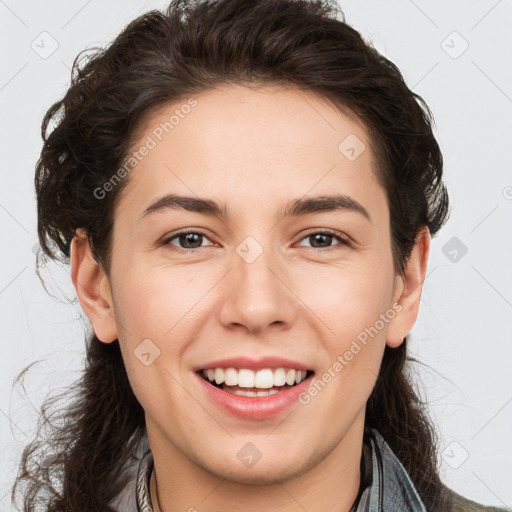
330 484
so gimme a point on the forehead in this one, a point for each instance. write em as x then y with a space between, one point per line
250 143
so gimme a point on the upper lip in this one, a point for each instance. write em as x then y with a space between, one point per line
254 364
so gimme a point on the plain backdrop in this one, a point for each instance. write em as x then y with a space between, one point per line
457 55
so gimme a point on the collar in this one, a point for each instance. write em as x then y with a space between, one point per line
390 488
385 484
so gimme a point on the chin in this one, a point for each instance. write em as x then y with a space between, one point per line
263 472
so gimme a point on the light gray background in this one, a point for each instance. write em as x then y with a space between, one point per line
463 333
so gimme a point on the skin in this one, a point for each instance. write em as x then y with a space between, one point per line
253 149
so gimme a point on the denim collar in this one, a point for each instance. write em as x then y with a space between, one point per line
385 484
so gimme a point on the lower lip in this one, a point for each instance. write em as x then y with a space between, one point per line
254 407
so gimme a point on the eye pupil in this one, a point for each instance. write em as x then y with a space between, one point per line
188 238
320 237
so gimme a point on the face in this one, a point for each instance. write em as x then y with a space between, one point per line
274 281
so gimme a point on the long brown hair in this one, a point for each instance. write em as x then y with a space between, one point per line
162 57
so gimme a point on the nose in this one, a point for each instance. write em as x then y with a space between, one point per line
258 294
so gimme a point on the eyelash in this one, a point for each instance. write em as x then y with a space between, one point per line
343 241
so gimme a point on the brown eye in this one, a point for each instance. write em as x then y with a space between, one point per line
324 239
188 240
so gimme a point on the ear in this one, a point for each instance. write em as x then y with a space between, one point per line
408 288
93 288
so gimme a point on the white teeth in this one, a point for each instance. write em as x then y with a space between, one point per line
245 378
265 378
243 392
279 377
219 375
299 376
231 377
290 377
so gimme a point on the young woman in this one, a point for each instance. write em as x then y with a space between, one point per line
245 192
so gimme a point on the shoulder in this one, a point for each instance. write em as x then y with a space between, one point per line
457 503
395 475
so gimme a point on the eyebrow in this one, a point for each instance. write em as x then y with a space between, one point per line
294 208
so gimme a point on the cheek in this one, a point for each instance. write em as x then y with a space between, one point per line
158 312
353 305
348 299
148 313
353 351
153 302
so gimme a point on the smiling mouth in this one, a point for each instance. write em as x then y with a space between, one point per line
246 382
